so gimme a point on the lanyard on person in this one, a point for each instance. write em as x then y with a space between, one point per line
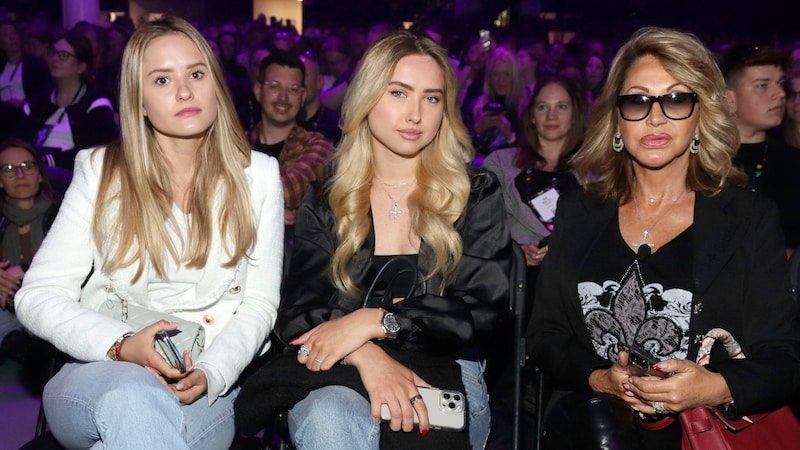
44 133
14 72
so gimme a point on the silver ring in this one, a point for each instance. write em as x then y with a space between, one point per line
305 351
658 407
415 399
319 361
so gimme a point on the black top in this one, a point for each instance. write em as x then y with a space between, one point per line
531 183
273 150
771 169
325 121
627 298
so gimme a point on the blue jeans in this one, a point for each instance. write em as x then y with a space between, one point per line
339 417
120 405
477 401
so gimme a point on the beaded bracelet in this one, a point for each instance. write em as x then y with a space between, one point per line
114 351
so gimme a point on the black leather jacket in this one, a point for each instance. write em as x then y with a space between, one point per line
472 304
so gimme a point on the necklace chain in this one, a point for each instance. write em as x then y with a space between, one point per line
395 211
646 230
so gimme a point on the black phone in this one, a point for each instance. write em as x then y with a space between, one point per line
641 362
170 351
544 241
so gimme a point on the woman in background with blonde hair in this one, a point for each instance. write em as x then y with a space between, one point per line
175 218
401 190
496 114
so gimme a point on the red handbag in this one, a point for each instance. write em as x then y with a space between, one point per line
706 428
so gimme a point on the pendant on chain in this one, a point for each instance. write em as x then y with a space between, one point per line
395 212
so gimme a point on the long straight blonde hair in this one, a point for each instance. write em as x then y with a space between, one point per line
134 204
443 183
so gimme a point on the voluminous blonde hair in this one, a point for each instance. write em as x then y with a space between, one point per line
514 98
135 195
443 183
607 174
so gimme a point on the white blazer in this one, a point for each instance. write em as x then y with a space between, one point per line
237 306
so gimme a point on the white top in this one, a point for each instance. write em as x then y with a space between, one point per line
237 306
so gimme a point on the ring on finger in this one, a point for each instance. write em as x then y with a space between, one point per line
305 351
319 361
415 399
658 408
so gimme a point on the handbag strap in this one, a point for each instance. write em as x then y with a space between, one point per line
409 268
731 346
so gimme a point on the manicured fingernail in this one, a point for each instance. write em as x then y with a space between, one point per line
626 386
293 341
180 386
657 367
424 432
628 393
662 378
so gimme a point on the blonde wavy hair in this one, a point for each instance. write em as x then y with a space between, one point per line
136 187
607 174
443 184
514 98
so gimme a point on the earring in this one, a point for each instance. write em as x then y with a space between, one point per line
694 147
616 142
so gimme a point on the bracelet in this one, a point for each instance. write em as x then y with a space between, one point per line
343 361
113 352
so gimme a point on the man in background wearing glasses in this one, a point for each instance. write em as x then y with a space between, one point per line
302 155
754 77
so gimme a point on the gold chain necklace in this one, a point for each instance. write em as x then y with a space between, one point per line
644 246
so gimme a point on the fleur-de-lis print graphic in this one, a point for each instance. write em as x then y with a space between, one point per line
619 314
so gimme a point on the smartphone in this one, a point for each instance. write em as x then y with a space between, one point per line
494 109
445 409
543 243
170 351
485 38
641 362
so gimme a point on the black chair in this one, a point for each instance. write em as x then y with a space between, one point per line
516 307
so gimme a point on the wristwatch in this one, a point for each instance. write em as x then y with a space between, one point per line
390 325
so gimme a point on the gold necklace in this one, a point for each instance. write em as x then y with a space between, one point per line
643 246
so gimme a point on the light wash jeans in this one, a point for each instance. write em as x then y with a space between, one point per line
120 405
339 417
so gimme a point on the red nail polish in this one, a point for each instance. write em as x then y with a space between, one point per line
293 341
656 367
424 432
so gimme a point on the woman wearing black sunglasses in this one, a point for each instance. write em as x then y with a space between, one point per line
661 245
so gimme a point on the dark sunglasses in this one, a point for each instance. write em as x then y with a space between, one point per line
675 106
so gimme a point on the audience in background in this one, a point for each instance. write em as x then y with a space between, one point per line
28 206
754 78
75 115
791 120
315 116
494 120
22 76
340 63
302 155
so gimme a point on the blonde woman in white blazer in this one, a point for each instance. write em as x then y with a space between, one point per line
178 217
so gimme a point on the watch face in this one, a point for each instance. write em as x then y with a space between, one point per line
390 324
